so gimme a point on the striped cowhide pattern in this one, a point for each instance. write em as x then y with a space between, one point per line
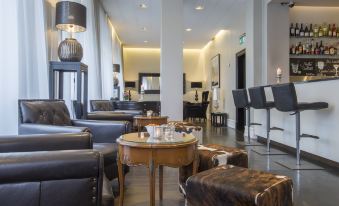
236 186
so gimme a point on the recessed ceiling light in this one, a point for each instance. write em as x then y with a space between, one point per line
199 7
145 41
188 29
143 29
143 6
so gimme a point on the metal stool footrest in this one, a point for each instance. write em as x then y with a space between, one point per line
276 128
255 124
309 136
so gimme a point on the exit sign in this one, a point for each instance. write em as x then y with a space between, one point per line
242 39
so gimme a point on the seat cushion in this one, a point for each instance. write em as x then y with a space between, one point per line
231 185
133 112
109 152
312 106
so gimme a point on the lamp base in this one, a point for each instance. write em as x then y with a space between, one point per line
70 50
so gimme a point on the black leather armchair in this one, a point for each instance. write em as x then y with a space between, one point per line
52 116
54 169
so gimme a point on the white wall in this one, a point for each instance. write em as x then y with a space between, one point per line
141 60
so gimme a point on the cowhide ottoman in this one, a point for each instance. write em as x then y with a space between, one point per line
232 186
213 155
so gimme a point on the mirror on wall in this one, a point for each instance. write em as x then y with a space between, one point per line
150 83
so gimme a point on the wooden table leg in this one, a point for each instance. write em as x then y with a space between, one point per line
195 163
121 181
152 182
161 175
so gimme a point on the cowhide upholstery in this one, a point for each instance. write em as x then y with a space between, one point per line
229 185
213 155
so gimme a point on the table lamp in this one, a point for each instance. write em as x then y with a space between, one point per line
70 17
196 86
116 71
129 86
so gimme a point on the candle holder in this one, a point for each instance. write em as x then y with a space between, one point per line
278 77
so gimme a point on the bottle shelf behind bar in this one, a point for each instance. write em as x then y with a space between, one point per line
305 56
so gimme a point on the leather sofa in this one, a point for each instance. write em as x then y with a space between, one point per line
130 107
52 116
51 170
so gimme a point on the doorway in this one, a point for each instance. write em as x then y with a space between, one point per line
240 84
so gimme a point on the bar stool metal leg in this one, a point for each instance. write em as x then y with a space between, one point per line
268 128
297 119
299 165
268 150
248 125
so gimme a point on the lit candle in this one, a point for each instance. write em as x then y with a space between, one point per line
279 72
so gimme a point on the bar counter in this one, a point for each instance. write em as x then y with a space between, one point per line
322 123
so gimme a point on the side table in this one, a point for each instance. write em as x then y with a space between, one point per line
81 71
219 119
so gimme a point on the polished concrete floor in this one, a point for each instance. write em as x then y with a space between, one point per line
311 188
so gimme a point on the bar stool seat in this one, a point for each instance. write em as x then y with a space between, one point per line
302 106
269 104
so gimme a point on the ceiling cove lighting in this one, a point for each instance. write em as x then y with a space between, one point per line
188 29
143 6
145 41
200 5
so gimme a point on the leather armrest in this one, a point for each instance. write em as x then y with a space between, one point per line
28 128
104 131
55 165
48 142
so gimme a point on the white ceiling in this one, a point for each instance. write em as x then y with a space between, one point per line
128 19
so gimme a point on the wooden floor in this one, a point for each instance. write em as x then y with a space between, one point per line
311 188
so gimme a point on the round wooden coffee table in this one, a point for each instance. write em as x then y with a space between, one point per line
138 149
141 121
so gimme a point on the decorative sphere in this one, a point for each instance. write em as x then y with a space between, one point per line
70 50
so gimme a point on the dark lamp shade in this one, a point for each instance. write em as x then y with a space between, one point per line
70 16
116 68
129 84
196 85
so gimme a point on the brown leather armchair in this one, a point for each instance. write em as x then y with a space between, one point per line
52 116
51 170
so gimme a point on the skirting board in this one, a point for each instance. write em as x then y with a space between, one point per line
306 155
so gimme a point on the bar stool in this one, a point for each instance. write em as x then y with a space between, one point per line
240 98
285 99
258 101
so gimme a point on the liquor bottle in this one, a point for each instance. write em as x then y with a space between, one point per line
311 31
330 31
292 30
321 32
296 48
326 49
297 30
334 31
300 48
325 29
317 49
292 50
302 31
316 30
307 32
311 49
321 48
